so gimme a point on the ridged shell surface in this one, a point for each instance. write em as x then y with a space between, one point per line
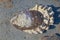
34 20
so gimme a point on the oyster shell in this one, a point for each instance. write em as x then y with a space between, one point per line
34 20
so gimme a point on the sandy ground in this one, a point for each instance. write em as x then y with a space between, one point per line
8 32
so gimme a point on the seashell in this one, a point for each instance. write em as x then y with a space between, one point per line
34 20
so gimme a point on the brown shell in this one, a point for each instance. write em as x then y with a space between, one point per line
36 22
41 19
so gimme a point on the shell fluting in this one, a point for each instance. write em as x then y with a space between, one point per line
35 20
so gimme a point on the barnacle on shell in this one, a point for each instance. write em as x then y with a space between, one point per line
34 20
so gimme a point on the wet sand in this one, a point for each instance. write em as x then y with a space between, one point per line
8 32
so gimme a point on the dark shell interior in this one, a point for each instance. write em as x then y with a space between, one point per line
37 20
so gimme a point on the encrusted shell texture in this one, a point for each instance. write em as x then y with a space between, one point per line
34 20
